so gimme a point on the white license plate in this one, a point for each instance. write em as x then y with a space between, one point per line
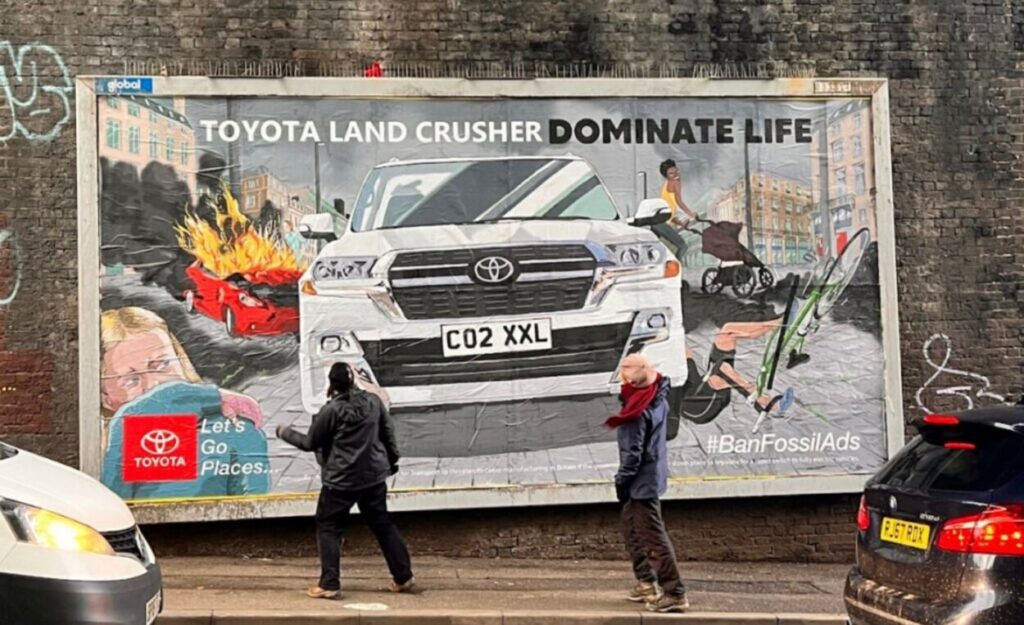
152 609
469 339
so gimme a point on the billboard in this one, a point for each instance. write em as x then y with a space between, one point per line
483 264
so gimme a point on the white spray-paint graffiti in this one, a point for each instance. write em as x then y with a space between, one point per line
967 391
7 239
35 87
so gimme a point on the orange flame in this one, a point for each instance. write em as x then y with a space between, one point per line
234 244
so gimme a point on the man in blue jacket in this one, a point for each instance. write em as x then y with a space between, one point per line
641 479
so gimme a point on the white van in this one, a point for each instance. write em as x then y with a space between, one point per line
70 552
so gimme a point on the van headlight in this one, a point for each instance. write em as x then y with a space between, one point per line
52 530
334 268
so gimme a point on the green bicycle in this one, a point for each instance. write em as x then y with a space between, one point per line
821 293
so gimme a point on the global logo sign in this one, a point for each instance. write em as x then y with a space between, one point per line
494 270
124 84
160 448
160 442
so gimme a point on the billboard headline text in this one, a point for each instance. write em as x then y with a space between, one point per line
554 131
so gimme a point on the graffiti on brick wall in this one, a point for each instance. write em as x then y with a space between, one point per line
27 374
8 242
971 388
34 92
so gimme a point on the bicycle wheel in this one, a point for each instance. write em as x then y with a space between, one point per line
767 362
817 274
778 342
841 272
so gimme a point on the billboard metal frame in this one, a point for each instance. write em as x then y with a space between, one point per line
90 445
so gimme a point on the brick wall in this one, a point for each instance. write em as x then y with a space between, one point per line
806 529
957 84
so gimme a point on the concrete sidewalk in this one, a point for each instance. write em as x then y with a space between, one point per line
493 592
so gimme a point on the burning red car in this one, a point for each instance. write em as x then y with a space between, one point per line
262 303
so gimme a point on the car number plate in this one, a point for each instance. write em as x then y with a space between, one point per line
470 339
905 533
152 609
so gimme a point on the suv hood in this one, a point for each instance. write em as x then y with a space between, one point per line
36 481
379 242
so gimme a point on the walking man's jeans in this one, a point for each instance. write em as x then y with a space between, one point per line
649 547
331 518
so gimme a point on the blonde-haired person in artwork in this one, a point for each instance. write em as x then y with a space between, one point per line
145 371
139 353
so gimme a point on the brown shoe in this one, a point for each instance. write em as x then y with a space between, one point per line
644 592
317 592
408 586
669 603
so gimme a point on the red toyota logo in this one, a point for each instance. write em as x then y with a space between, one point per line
161 448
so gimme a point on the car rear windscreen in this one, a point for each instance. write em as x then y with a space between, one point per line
927 464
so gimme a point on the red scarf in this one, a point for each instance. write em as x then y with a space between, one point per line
634 401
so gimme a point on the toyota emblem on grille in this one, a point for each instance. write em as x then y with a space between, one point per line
494 270
159 442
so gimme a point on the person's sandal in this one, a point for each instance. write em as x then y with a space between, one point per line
317 592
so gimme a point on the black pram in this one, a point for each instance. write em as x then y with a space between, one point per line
721 239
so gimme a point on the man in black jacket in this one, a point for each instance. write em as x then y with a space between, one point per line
354 443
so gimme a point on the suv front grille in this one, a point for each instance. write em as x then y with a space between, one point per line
441 284
125 541
447 302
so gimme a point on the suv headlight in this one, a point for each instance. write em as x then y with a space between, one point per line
637 254
52 530
342 268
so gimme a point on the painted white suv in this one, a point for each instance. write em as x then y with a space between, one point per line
493 300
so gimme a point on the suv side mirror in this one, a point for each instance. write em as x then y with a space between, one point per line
652 212
318 227
339 207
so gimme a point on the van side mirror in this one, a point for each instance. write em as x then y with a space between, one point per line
318 227
651 212
339 207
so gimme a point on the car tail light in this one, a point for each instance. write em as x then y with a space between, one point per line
997 531
941 419
863 516
961 446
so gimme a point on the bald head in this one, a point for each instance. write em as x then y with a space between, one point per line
637 370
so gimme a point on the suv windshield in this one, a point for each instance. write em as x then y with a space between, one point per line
460 192
926 464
